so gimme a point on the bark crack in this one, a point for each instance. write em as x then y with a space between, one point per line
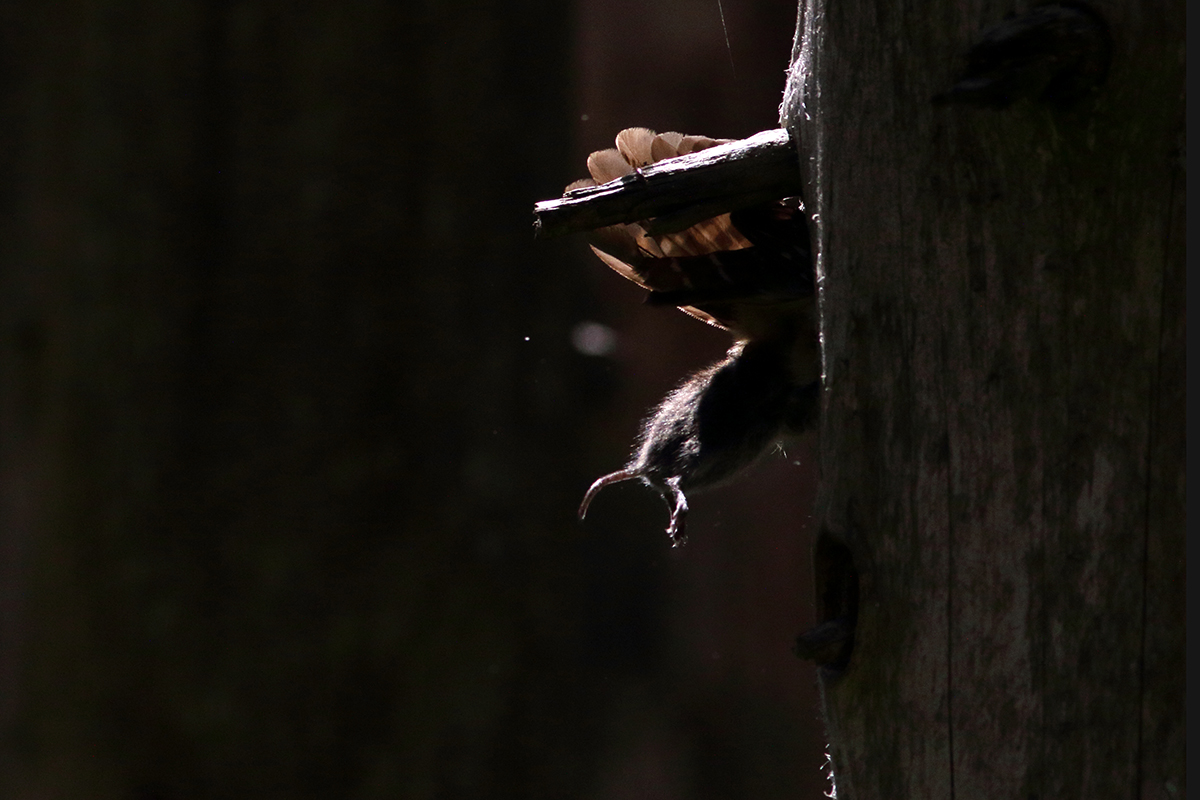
949 583
1151 443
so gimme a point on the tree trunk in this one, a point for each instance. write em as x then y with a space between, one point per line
1002 442
281 368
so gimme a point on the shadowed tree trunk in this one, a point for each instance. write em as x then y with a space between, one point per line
1002 443
282 370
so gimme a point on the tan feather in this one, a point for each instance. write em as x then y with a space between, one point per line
607 165
627 249
709 236
635 145
582 183
694 144
665 145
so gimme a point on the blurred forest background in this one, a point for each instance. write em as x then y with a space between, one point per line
295 414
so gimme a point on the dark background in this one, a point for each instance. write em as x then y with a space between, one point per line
292 430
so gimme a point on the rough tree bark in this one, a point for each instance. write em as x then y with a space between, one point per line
1002 445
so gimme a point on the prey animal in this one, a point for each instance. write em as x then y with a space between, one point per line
750 272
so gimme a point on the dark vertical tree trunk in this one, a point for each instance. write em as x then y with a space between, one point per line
282 370
1002 446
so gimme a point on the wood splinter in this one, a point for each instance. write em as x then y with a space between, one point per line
674 194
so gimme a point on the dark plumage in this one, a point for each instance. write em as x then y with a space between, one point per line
750 272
